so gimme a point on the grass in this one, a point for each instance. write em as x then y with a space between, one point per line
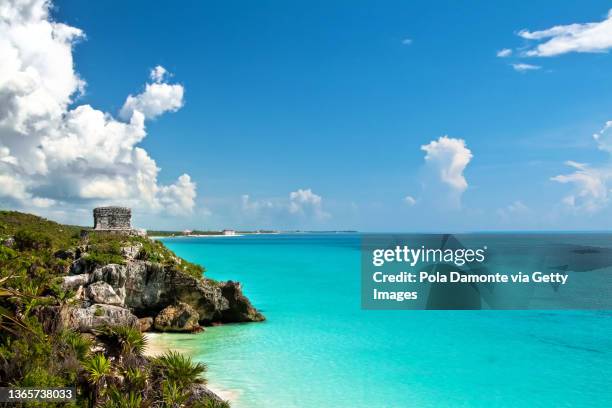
32 227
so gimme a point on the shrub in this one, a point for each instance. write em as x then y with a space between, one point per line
180 369
123 340
29 240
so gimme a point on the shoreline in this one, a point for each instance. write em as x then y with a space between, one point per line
212 235
156 347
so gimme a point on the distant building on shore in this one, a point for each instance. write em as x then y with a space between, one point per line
187 232
228 232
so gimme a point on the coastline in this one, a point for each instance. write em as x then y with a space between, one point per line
195 236
156 346
212 235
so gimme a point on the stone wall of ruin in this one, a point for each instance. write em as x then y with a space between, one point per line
112 218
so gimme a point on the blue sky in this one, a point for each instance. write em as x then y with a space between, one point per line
329 96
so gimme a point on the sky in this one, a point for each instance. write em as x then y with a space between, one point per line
374 116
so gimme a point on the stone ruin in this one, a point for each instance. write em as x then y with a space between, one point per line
114 219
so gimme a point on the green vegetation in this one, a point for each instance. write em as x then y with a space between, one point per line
105 248
60 236
179 369
108 368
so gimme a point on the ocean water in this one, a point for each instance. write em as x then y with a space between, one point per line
318 349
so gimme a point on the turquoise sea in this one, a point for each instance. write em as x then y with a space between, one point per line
318 349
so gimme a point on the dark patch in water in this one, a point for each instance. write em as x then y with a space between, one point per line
569 346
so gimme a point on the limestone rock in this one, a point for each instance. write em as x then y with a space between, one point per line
240 308
204 295
65 254
80 266
145 324
97 316
102 292
131 252
73 282
178 318
148 287
200 393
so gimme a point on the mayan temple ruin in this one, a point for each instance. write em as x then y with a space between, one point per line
114 219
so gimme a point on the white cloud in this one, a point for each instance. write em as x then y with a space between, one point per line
158 73
43 202
592 185
178 196
604 138
407 41
410 201
525 67
591 190
562 39
306 202
256 206
450 157
445 161
52 153
157 98
506 52
301 204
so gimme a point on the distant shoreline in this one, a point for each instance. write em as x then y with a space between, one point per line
212 235
169 234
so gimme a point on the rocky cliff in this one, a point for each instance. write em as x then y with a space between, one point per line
120 294
73 304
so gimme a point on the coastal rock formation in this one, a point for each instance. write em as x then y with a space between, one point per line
177 318
145 324
85 319
102 292
239 308
145 289
200 392
112 286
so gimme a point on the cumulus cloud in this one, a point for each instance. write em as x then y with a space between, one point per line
305 202
157 98
563 39
450 157
525 67
302 203
158 73
503 53
52 152
445 161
